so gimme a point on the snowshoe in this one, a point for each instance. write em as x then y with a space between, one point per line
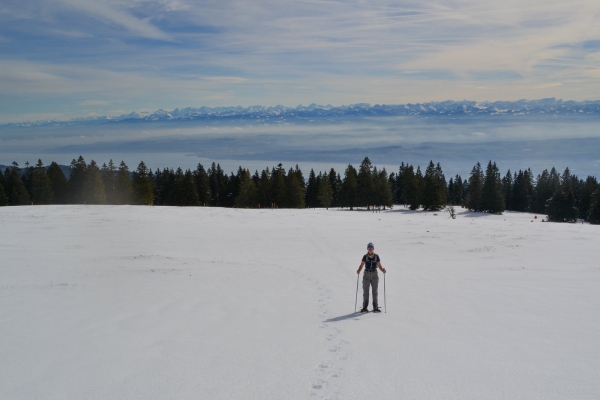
376 309
364 309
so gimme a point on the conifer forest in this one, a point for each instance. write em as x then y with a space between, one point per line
563 197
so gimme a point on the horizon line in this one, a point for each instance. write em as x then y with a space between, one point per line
142 113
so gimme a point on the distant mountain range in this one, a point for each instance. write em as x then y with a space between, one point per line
301 113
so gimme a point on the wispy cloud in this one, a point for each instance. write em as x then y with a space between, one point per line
104 11
547 86
168 53
224 79
95 103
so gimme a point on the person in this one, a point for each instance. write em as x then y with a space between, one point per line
371 262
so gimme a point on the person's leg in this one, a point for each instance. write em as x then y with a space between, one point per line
366 283
375 284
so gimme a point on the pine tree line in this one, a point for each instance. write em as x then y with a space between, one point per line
563 197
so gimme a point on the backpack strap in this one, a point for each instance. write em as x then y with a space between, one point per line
375 258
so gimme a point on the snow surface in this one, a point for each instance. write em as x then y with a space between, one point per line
109 302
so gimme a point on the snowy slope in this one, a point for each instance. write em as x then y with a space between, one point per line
202 303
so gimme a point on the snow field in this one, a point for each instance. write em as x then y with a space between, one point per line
102 302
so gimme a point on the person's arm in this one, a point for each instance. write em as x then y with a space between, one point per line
362 264
380 267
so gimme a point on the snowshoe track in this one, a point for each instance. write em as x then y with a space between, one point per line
330 371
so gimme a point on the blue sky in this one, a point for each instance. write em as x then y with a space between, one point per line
73 58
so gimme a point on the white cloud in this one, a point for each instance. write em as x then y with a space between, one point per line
92 103
102 10
224 79
269 52
72 34
547 86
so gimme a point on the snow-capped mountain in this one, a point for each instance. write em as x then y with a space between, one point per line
313 111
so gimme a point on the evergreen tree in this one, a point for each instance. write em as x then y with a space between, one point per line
123 185
278 187
392 182
58 184
246 197
14 188
462 186
561 206
170 187
218 185
143 187
383 189
554 180
451 190
177 191
474 201
295 189
203 185
433 194
336 185
325 195
547 184
301 181
420 177
158 182
92 191
543 190
77 179
233 188
39 185
312 190
594 213
26 174
366 185
264 189
3 198
577 186
399 185
410 188
507 185
109 178
492 197
443 184
588 187
320 177
456 191
349 190
189 190
522 191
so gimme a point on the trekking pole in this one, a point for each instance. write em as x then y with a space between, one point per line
384 303
356 299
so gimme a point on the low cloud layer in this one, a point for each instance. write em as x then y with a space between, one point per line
515 142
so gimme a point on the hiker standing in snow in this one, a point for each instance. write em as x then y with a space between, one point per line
371 262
